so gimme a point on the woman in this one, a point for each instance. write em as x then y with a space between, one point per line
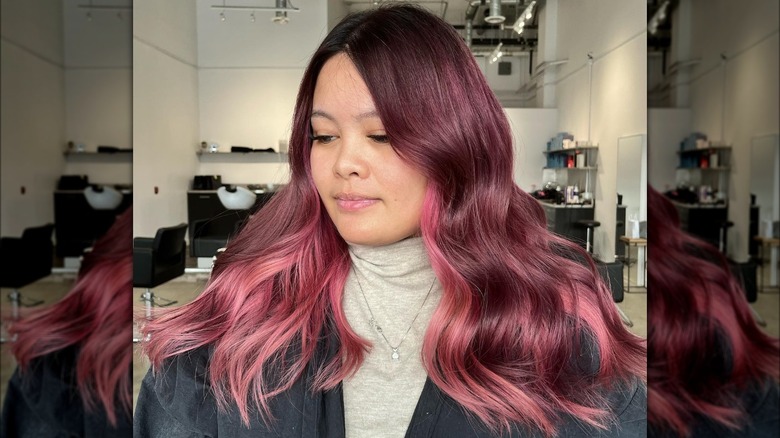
73 375
401 283
712 371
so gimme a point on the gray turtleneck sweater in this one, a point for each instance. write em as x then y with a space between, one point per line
380 398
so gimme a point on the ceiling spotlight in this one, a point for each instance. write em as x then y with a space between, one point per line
495 16
527 14
280 17
658 18
496 54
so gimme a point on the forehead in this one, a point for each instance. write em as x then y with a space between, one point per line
340 85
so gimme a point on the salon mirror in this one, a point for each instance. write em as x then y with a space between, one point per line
765 207
631 190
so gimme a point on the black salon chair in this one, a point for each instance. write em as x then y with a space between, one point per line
24 260
612 274
208 237
724 227
158 260
590 225
746 275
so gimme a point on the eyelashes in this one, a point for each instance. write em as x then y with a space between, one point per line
379 138
325 139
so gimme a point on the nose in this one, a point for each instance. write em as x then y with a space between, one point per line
350 159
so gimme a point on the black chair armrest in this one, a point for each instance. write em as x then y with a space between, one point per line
10 245
200 227
143 242
143 266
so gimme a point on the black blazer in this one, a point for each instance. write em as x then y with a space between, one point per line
178 403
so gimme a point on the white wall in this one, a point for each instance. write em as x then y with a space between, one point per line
32 110
614 32
505 86
337 9
198 78
532 128
165 112
744 104
247 107
666 129
98 87
247 93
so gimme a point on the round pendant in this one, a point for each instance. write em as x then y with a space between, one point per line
396 356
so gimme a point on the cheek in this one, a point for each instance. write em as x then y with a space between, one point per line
318 171
409 189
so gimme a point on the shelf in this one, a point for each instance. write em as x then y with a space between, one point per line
574 150
242 157
570 168
99 157
719 169
708 149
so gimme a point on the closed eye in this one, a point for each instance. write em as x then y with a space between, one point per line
379 138
322 139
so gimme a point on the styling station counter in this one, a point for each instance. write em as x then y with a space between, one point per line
79 223
213 219
562 219
706 221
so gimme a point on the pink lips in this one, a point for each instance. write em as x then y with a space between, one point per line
354 202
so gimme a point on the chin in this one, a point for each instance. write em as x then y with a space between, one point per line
354 239
371 237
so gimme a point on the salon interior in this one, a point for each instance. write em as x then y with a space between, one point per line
713 125
198 97
65 145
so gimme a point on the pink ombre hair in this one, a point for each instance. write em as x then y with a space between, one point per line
705 348
513 311
95 317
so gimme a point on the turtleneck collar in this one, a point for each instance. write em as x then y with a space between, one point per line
400 259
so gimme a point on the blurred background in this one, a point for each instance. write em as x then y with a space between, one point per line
65 145
713 125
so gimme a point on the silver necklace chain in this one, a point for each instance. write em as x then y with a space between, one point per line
396 356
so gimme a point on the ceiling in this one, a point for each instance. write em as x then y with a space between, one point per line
484 34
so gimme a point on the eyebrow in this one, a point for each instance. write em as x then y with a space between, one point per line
361 116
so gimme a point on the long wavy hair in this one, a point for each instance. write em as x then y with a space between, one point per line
93 316
705 348
513 306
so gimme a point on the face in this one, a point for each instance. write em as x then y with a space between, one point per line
370 193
